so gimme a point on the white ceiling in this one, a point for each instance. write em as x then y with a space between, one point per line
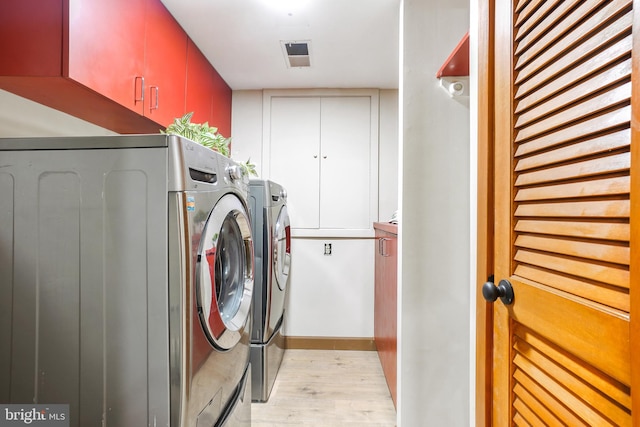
353 43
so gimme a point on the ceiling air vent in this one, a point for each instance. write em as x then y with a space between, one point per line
296 53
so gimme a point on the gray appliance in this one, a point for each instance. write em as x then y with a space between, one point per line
272 245
126 276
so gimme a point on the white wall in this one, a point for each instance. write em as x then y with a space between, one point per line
20 117
434 227
246 126
388 155
329 296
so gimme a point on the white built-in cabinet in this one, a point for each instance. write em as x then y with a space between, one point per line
322 146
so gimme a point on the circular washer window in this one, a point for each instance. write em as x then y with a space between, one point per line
225 273
282 248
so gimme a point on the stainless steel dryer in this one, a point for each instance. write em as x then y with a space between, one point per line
126 275
272 245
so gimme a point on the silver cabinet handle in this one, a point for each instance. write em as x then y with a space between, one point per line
382 247
135 84
157 91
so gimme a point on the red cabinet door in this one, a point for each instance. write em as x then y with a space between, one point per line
386 300
221 105
31 38
208 95
106 48
199 85
165 65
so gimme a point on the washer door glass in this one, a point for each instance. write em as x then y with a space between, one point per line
282 248
225 273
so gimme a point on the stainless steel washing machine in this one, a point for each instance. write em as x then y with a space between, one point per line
126 278
272 243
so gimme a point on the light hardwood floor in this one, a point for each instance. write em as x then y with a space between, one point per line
327 388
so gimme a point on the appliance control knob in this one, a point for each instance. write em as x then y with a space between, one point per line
283 194
235 172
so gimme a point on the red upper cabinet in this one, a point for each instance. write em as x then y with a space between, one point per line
207 94
120 64
80 57
165 65
132 51
221 105
199 85
105 48
31 38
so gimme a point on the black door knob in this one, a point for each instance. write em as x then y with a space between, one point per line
504 291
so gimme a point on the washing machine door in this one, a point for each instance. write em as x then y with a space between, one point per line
225 273
282 248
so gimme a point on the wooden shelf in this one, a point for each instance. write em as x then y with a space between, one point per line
457 64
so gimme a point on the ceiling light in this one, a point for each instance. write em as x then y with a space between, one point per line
287 6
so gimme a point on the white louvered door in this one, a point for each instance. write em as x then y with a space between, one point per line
563 204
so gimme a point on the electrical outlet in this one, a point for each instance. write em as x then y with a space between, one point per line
327 248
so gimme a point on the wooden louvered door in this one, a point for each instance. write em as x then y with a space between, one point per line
563 208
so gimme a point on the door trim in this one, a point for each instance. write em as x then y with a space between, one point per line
634 268
484 249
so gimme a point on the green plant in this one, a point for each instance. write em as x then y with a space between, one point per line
200 133
249 168
207 136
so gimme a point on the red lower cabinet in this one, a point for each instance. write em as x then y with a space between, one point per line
386 301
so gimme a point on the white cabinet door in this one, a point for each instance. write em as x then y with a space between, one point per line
320 150
295 156
345 130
